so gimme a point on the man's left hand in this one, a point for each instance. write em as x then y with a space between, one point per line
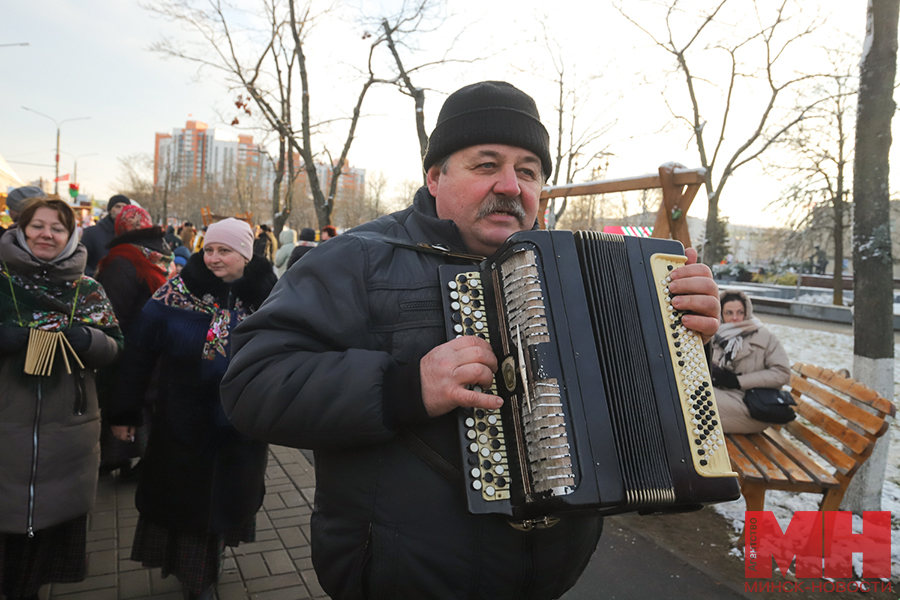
697 295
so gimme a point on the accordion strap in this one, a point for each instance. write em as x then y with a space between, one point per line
431 456
420 247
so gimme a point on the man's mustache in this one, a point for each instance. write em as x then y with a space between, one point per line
502 204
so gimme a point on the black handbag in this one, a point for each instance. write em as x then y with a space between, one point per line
770 405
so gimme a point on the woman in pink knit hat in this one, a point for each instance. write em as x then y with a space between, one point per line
201 481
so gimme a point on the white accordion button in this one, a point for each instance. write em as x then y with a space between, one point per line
476 473
489 490
476 485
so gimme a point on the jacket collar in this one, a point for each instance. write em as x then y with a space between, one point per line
432 230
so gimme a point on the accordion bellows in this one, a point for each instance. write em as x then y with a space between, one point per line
608 403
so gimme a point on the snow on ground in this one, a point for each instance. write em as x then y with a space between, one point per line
833 351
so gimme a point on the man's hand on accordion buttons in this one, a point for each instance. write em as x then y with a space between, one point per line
449 370
698 295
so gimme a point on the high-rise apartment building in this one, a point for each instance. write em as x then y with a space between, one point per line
197 154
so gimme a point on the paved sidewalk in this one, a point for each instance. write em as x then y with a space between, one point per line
275 567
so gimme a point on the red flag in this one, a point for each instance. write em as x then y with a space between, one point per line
62 178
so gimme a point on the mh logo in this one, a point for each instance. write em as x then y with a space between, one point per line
822 542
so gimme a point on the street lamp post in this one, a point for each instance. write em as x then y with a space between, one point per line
58 125
75 161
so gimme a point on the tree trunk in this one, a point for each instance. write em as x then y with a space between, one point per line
873 344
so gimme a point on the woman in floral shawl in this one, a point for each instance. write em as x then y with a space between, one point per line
49 422
201 482
138 263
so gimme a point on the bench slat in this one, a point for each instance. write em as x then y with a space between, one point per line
794 473
841 461
741 464
770 471
856 442
871 423
851 387
806 463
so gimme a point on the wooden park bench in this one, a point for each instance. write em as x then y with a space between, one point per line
822 449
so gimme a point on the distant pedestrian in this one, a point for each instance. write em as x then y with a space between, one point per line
201 482
307 242
264 245
328 232
136 266
288 239
49 424
172 238
96 238
187 234
17 199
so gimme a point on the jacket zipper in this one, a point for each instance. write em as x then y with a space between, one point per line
34 459
80 394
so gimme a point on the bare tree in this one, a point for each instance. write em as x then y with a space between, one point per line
136 181
399 33
820 155
873 327
262 63
754 49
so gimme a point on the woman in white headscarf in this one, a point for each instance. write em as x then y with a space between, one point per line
746 355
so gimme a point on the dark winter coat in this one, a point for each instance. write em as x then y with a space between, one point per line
50 425
331 362
198 474
300 251
128 277
95 239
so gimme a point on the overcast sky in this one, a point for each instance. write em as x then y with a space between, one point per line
90 59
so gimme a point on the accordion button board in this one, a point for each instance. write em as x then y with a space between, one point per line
488 473
698 402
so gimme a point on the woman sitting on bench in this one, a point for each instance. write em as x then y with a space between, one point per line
745 355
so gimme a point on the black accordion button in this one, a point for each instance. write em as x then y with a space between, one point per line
494 431
461 278
701 451
677 344
486 465
669 267
481 426
501 481
489 477
463 289
495 444
479 413
703 463
472 460
456 317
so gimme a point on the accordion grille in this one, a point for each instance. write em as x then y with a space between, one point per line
542 415
629 391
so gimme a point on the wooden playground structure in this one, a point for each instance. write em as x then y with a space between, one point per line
679 187
209 218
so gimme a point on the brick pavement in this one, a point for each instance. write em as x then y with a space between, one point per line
275 567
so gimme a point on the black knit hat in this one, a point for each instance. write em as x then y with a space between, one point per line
117 199
489 112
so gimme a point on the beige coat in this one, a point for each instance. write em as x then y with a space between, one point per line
761 362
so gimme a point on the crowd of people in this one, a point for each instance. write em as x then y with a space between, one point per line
190 350
147 316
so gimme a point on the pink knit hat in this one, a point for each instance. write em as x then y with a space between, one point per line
234 233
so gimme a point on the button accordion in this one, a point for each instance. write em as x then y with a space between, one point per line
608 402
